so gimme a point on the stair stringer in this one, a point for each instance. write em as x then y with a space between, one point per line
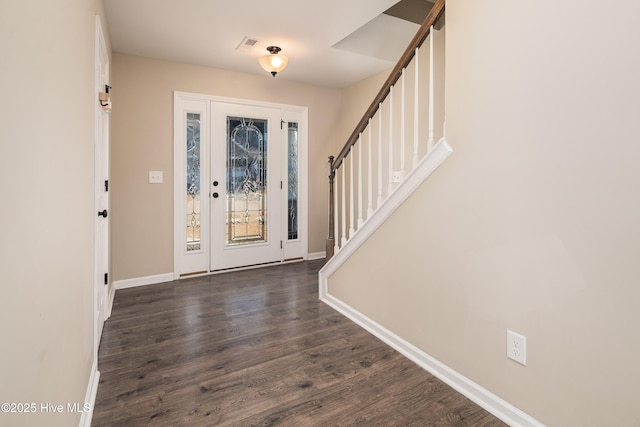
413 180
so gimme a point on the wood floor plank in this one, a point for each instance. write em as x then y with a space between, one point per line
257 348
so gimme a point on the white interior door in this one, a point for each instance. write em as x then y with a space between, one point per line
101 165
246 185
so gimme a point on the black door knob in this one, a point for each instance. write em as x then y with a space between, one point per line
103 213
215 195
215 183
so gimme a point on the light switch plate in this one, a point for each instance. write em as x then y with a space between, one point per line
155 177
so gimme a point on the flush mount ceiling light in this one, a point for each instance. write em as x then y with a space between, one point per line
274 62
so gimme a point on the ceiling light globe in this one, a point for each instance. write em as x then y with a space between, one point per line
274 62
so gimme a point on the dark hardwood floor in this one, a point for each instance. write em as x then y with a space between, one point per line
257 348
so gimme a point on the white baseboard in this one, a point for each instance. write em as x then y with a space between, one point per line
143 281
316 255
90 396
481 396
476 393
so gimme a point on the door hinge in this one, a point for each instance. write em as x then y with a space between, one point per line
280 244
106 278
106 185
281 185
281 124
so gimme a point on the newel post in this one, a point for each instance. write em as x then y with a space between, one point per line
331 238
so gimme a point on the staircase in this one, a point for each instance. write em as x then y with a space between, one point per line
389 279
393 148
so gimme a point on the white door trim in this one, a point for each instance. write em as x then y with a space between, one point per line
179 159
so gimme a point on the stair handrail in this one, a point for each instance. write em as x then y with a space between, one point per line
334 162
432 17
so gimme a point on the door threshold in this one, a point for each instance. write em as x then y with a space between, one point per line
252 266
244 267
195 273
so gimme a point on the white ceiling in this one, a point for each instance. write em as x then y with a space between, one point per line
331 43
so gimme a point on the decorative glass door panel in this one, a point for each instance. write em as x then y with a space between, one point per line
246 198
193 182
292 179
191 195
246 150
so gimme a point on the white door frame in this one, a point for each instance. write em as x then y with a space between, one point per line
181 100
103 294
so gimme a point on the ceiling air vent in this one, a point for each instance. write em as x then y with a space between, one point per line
246 44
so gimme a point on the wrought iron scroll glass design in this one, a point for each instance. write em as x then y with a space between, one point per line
193 182
246 198
292 155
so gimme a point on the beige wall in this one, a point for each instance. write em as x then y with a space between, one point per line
47 213
532 223
355 101
142 140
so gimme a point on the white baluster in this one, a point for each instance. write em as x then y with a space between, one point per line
336 215
402 130
369 178
390 186
416 140
431 141
344 207
380 199
352 207
360 220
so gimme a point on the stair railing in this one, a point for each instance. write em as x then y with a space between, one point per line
384 129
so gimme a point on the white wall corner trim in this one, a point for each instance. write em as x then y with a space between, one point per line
316 255
143 281
112 295
90 396
476 393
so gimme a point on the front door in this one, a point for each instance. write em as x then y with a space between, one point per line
245 187
239 183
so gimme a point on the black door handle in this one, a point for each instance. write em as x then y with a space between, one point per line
103 213
215 195
215 183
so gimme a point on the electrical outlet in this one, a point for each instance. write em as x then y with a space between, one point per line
397 176
155 177
517 347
